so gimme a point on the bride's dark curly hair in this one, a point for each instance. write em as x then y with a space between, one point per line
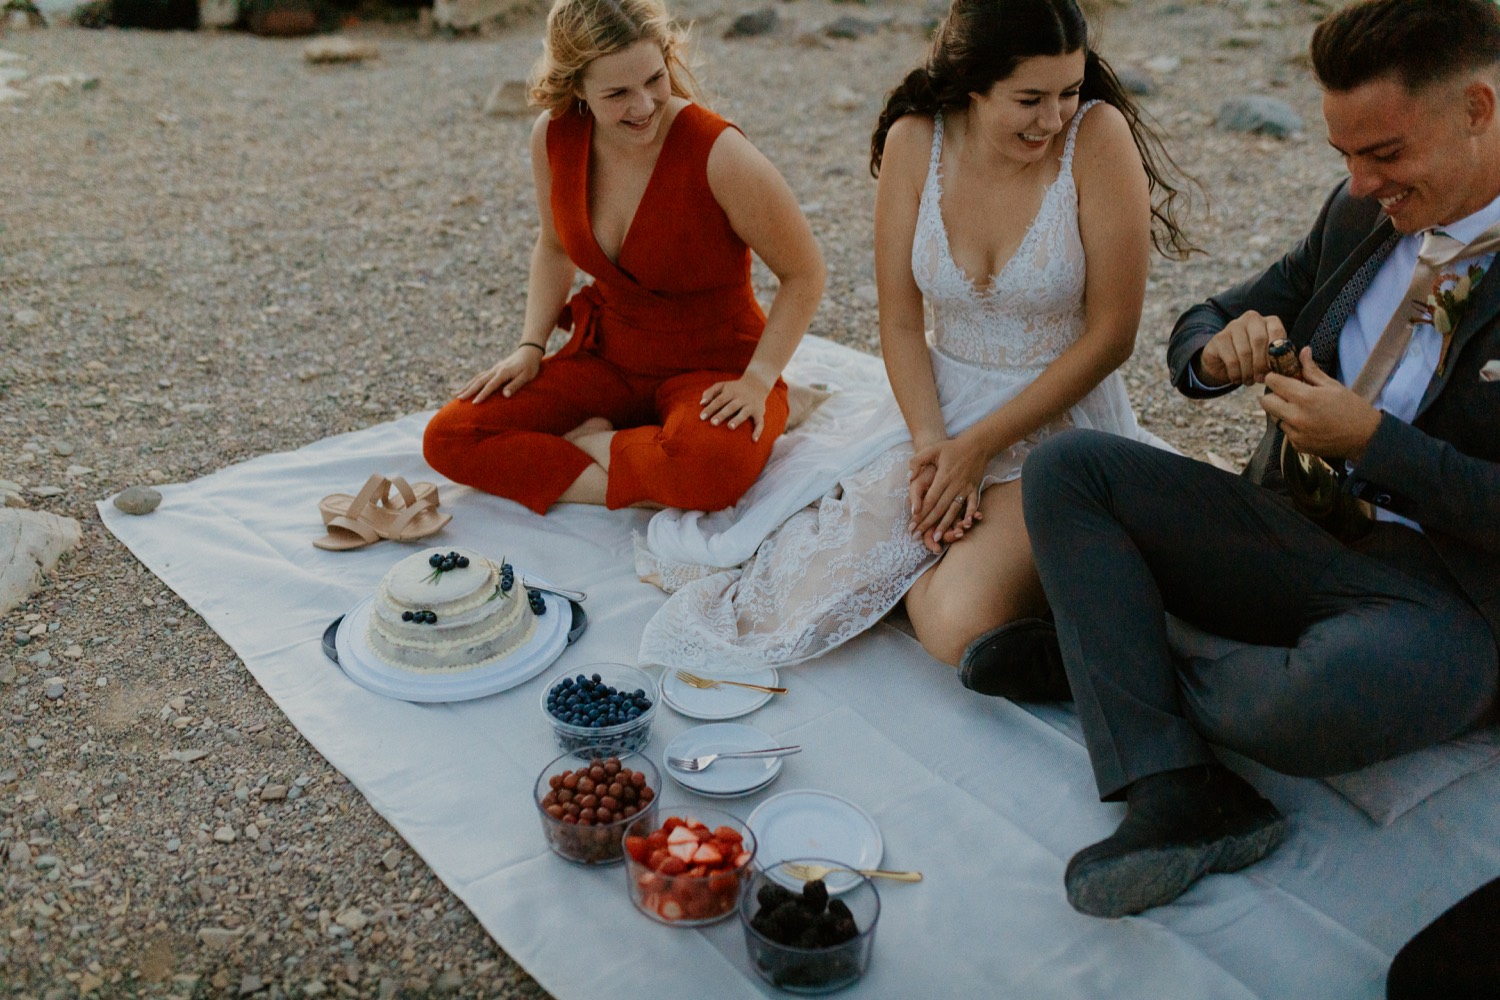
981 42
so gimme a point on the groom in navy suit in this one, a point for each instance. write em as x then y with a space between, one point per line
1355 646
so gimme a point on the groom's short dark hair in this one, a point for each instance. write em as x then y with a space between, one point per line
1419 41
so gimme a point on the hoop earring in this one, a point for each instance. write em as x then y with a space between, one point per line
583 107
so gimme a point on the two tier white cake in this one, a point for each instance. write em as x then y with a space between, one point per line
449 617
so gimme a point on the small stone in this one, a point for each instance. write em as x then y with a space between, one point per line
26 317
74 471
841 98
273 793
36 742
46 862
22 638
20 853
74 652
65 81
448 981
508 98
353 918
315 988
850 27
63 448
7 672
174 845
225 835
47 491
41 660
1259 114
867 294
177 703
54 688
757 22
1136 80
138 500
250 983
295 792
185 756
218 939
252 832
391 859
325 51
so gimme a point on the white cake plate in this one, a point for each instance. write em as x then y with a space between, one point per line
369 671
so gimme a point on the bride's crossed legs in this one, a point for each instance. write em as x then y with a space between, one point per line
985 579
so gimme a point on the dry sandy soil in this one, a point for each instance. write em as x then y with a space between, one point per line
220 251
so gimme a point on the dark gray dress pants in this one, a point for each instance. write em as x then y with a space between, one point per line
1354 653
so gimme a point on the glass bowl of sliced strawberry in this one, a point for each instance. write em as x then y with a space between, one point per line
690 868
587 797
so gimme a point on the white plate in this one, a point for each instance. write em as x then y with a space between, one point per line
812 824
723 702
369 671
723 778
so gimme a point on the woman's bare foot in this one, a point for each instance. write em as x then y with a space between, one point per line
593 425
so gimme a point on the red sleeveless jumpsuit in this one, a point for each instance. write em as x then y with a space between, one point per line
652 331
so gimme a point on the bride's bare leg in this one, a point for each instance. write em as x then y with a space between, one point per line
986 579
592 437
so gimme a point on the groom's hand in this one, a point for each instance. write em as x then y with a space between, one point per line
1318 414
1237 353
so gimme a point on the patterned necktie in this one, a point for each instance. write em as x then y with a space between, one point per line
1325 339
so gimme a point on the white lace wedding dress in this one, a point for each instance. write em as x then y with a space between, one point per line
818 551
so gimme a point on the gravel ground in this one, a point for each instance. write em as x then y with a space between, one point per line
220 251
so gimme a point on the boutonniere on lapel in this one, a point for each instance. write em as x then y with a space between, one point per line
1491 370
1446 305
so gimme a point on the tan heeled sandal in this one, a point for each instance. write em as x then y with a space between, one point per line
373 515
338 504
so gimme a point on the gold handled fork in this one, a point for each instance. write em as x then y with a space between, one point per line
807 872
704 683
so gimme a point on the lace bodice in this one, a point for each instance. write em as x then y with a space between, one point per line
1033 308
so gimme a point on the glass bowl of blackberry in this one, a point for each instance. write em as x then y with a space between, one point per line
802 939
587 799
601 705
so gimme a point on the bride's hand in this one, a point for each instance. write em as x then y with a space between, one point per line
508 375
732 403
944 491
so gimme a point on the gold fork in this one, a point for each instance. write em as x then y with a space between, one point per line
808 873
704 683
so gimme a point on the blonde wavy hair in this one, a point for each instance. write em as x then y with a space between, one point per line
580 31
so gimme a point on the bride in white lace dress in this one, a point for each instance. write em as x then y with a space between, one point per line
1014 200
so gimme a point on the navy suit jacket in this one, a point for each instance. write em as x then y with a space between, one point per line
1443 469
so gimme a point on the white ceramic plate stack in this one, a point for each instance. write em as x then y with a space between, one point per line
369 671
714 704
724 779
806 823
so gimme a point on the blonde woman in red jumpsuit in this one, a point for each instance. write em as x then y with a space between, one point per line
669 391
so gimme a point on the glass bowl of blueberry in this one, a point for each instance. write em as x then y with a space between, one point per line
802 939
601 705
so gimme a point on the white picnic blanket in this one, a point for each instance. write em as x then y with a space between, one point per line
988 799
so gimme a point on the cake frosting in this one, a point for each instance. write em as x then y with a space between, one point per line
430 619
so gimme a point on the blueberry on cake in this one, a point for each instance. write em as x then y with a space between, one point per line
447 612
